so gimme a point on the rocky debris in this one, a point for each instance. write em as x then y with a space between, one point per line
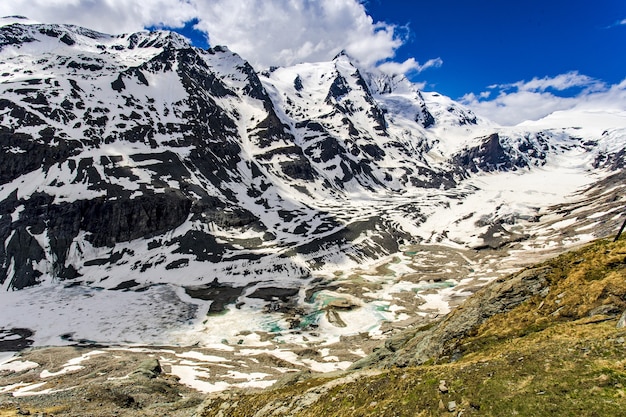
418 346
622 321
118 383
130 381
552 290
282 406
225 148
452 406
209 182
443 388
107 222
496 236
292 378
149 368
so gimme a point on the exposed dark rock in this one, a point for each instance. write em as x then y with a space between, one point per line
374 151
14 35
424 117
489 156
123 220
612 161
195 75
329 147
22 252
67 39
297 83
25 117
106 221
254 87
202 245
298 169
118 85
14 340
274 293
179 263
220 294
497 236
338 89
271 129
463 117
126 285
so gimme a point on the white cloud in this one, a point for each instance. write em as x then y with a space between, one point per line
616 24
264 32
285 32
410 65
109 16
560 82
514 103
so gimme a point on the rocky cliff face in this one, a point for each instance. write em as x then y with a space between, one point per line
139 158
130 137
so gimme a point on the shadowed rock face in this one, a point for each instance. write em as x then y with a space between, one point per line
22 153
498 153
14 340
139 151
488 156
106 222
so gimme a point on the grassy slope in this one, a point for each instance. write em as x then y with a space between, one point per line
557 354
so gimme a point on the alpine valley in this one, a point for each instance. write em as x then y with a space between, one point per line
159 194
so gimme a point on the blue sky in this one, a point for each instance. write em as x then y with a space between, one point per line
507 60
488 42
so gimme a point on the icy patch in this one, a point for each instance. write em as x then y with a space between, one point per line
94 314
70 366
9 363
190 376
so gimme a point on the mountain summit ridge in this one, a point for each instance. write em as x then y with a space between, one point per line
137 160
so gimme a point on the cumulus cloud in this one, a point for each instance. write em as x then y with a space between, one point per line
510 104
286 32
276 32
108 16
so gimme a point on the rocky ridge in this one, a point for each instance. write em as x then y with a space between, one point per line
138 166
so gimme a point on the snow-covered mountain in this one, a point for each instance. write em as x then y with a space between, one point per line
135 162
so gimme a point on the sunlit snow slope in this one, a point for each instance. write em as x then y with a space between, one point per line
138 163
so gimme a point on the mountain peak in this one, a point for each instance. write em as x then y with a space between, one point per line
19 31
133 160
342 54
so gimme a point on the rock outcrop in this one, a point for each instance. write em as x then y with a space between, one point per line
418 347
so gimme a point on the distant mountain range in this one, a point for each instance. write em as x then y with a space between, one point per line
134 160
